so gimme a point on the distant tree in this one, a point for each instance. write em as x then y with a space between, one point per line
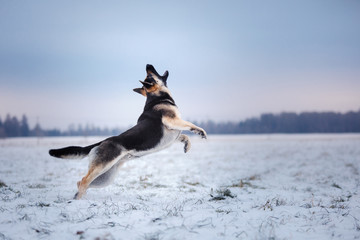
7 125
37 131
2 130
11 126
351 121
80 130
268 123
24 127
288 122
53 133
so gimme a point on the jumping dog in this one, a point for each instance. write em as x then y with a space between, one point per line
157 128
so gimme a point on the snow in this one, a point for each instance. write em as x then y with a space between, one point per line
226 187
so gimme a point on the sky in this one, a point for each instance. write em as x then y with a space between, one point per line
76 62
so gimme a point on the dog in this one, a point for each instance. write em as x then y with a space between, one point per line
157 128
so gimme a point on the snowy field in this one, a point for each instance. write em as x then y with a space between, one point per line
226 187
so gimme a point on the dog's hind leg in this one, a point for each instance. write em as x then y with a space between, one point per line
107 177
105 157
83 185
185 139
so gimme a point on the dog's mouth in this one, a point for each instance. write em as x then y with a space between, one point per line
146 84
141 91
138 90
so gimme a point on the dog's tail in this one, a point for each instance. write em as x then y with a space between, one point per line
73 151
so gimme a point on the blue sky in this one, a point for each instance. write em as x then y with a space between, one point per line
76 62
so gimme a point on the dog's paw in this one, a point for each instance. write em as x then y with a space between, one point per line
79 195
186 141
187 146
200 132
76 196
203 134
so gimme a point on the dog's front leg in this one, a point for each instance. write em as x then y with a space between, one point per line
179 124
186 141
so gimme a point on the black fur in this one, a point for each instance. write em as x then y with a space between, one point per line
144 136
149 129
72 151
163 97
150 68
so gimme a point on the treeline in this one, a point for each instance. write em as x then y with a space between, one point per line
13 127
286 122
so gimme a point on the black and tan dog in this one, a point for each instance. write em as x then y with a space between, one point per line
158 127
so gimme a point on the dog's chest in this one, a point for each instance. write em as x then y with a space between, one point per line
169 137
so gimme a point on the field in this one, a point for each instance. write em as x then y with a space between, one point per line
226 187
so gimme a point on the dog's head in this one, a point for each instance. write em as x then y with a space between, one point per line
153 83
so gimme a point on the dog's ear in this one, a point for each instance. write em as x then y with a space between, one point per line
150 70
140 91
165 76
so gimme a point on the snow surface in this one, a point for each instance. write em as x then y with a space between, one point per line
226 187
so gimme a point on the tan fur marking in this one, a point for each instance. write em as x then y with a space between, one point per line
168 108
83 185
166 90
153 89
143 92
179 124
